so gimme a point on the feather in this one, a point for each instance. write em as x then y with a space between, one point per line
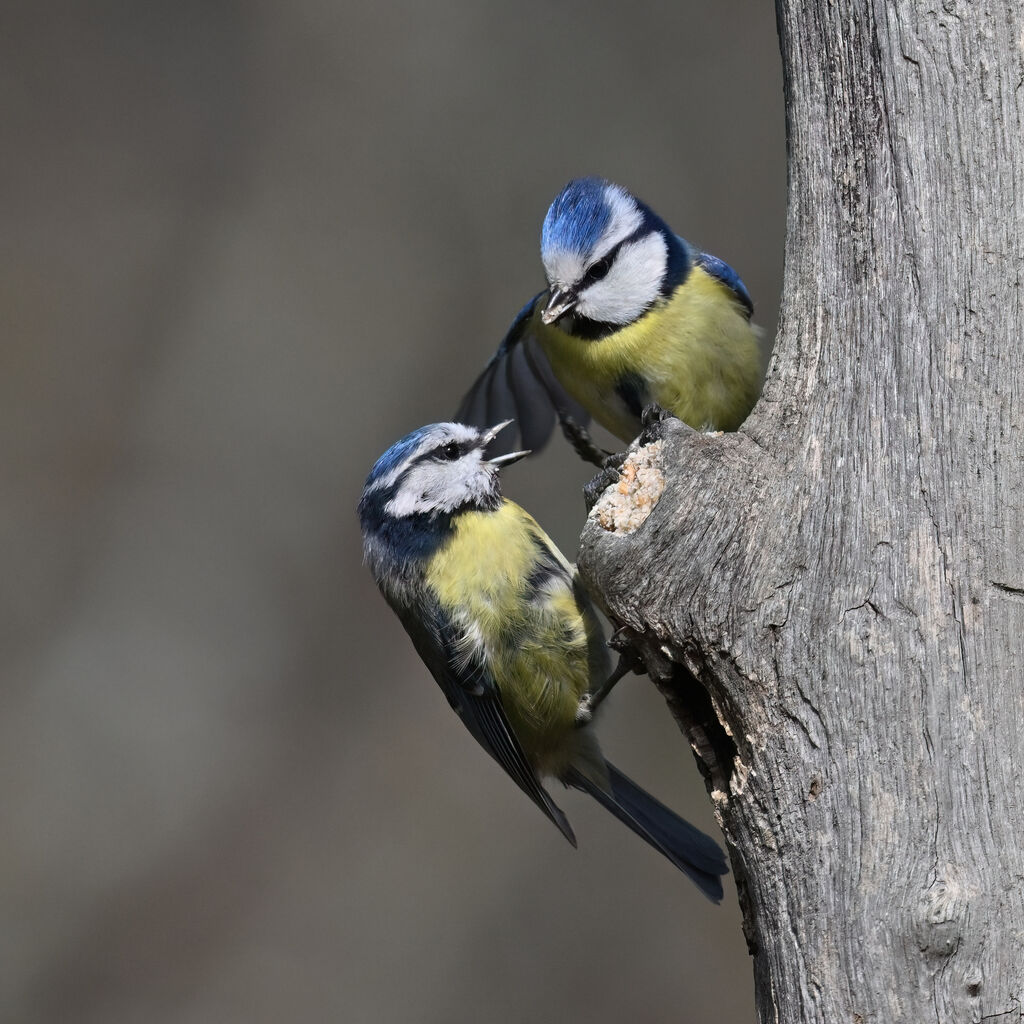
471 691
695 854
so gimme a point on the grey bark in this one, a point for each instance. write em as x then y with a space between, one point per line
832 599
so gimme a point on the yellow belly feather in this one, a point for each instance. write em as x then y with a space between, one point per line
538 651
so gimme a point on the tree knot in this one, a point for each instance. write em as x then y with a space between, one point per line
941 911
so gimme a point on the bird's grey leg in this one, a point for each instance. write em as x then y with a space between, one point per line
628 662
581 441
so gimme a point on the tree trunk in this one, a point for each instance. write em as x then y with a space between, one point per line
832 599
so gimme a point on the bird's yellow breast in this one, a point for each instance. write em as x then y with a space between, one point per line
536 642
696 352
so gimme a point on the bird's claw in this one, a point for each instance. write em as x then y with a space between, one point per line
653 413
609 475
651 421
584 713
621 640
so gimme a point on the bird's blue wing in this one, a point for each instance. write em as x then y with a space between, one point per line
519 384
721 271
472 692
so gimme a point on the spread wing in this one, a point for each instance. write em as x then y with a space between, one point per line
519 384
721 271
471 691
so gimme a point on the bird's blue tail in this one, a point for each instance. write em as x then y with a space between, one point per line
694 853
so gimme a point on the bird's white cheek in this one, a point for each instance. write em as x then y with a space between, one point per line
632 284
430 487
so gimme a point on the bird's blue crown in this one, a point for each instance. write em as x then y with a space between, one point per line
396 454
577 217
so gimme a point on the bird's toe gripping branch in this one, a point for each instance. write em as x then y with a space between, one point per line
629 661
688 700
651 419
608 477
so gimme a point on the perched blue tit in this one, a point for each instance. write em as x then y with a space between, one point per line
502 623
633 316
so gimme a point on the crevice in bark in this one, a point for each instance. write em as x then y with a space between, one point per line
690 703
712 743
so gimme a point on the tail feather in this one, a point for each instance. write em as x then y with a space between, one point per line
695 854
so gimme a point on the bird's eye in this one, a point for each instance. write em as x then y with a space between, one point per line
450 451
600 269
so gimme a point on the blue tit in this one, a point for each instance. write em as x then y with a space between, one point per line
501 621
633 316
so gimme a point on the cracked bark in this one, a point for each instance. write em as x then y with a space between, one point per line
831 598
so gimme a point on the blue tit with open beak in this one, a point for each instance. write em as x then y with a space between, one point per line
501 621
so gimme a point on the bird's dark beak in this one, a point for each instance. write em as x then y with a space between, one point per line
560 302
506 460
491 434
501 460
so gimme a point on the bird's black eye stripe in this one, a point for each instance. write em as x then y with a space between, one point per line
447 452
600 269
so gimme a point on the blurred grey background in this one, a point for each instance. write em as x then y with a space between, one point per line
245 247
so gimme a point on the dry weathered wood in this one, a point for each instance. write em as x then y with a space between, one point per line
833 598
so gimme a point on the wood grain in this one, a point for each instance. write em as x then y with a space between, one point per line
832 599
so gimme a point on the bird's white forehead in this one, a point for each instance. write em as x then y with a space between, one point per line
442 433
624 220
563 268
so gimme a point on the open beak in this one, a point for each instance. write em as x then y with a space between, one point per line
507 460
560 302
502 460
495 431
